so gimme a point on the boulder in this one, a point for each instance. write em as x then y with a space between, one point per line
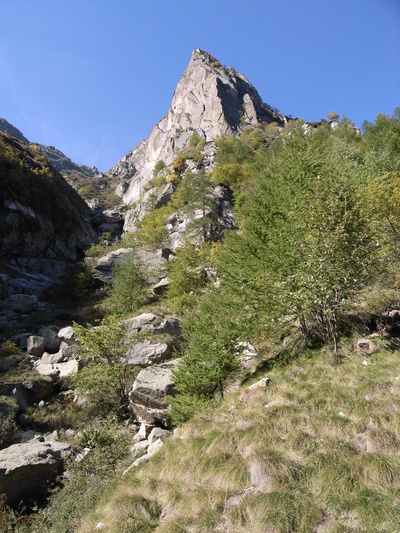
35 345
51 340
67 335
22 303
102 271
154 264
170 326
147 397
26 393
161 287
158 433
58 372
26 468
137 323
146 353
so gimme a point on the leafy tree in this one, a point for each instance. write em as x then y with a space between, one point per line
305 246
106 376
186 276
208 360
152 229
127 287
195 197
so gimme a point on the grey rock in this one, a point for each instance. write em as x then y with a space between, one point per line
161 287
155 446
29 435
170 326
139 322
36 390
147 397
22 303
155 264
158 433
26 468
58 372
35 345
52 358
102 271
67 335
146 353
51 340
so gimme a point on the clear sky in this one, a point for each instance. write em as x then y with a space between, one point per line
91 77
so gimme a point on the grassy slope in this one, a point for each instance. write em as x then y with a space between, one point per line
317 450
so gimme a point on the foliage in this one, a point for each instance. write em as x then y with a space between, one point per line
208 360
196 142
107 375
10 432
194 197
186 276
152 230
305 247
127 287
160 165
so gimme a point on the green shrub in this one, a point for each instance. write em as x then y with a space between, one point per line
127 287
107 375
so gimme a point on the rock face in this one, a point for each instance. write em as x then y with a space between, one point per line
26 468
40 214
209 100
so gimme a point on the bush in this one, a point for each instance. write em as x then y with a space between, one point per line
10 432
107 375
127 287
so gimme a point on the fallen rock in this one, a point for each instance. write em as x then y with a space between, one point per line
67 335
51 340
161 287
102 271
35 345
58 372
26 468
158 433
147 397
28 392
139 322
146 353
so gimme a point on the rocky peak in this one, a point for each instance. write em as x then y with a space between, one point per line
210 100
12 130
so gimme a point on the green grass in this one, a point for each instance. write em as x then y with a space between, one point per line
317 450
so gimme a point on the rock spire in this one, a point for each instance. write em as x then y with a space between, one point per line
209 99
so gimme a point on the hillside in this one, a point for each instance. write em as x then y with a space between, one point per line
242 375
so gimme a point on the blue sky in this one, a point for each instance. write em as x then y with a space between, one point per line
91 77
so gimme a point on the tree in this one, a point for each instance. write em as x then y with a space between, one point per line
127 287
106 376
305 246
195 198
209 359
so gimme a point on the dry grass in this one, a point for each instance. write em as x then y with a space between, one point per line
316 451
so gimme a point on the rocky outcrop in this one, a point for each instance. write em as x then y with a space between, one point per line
12 130
209 99
40 214
25 469
102 271
148 395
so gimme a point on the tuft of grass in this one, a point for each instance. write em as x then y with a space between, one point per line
316 450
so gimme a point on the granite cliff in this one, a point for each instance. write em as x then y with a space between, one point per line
212 101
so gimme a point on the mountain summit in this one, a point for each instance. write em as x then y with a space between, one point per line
211 100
